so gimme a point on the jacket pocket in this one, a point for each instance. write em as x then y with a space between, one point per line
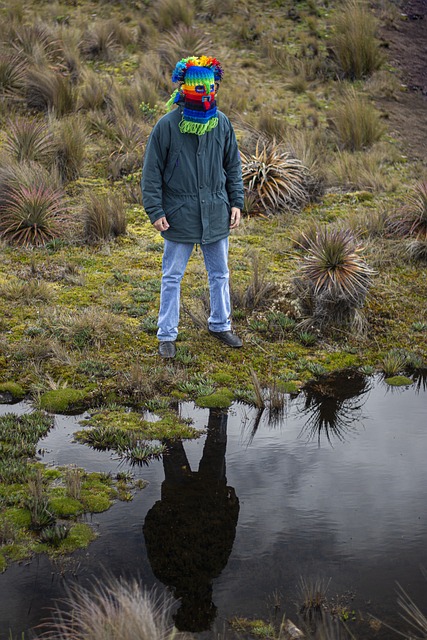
219 217
172 164
173 211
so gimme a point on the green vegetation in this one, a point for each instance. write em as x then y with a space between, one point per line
81 85
63 400
80 89
12 389
40 508
399 381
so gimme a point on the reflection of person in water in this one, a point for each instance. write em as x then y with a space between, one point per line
189 533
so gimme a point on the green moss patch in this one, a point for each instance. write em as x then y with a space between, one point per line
220 399
255 628
64 400
289 387
96 502
65 507
79 537
168 427
399 381
11 392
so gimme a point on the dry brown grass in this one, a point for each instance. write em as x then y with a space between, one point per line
103 217
356 121
354 40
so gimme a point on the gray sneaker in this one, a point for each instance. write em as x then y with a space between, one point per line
167 349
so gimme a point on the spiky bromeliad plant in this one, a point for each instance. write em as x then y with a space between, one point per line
333 280
30 215
411 222
279 180
28 139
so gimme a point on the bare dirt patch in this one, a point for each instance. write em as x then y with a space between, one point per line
406 40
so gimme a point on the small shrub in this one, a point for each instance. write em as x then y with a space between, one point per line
38 502
356 170
411 220
215 8
333 280
73 482
28 139
99 42
307 338
31 215
104 217
12 74
47 90
417 250
393 363
271 124
354 44
170 13
356 122
54 535
279 180
88 613
130 138
312 596
86 327
37 41
182 42
70 140
26 291
93 91
258 293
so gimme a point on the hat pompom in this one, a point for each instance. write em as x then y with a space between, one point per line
181 67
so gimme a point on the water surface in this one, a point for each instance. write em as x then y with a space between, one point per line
333 487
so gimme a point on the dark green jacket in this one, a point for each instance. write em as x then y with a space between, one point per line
192 180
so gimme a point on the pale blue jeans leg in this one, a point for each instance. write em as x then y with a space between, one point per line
216 262
175 259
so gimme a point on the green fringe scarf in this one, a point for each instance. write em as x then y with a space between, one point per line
196 127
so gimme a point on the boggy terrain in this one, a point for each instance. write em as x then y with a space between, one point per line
81 85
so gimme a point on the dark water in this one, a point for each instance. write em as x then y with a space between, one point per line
333 487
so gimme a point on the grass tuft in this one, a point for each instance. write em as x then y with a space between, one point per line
354 44
170 13
47 90
29 139
113 609
31 215
356 122
103 217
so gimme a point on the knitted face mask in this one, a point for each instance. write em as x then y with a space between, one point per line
198 77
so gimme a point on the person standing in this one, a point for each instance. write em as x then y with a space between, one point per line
192 191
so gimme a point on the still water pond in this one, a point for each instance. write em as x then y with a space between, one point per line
333 487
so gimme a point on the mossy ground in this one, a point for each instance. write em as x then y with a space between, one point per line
34 498
92 327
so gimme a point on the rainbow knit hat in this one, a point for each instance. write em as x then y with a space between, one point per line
197 77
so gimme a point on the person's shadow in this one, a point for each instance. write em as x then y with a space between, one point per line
189 533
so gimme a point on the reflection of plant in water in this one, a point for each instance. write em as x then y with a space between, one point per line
333 404
420 379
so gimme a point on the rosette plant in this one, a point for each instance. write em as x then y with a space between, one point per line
333 279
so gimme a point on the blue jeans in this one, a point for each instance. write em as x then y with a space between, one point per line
175 259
